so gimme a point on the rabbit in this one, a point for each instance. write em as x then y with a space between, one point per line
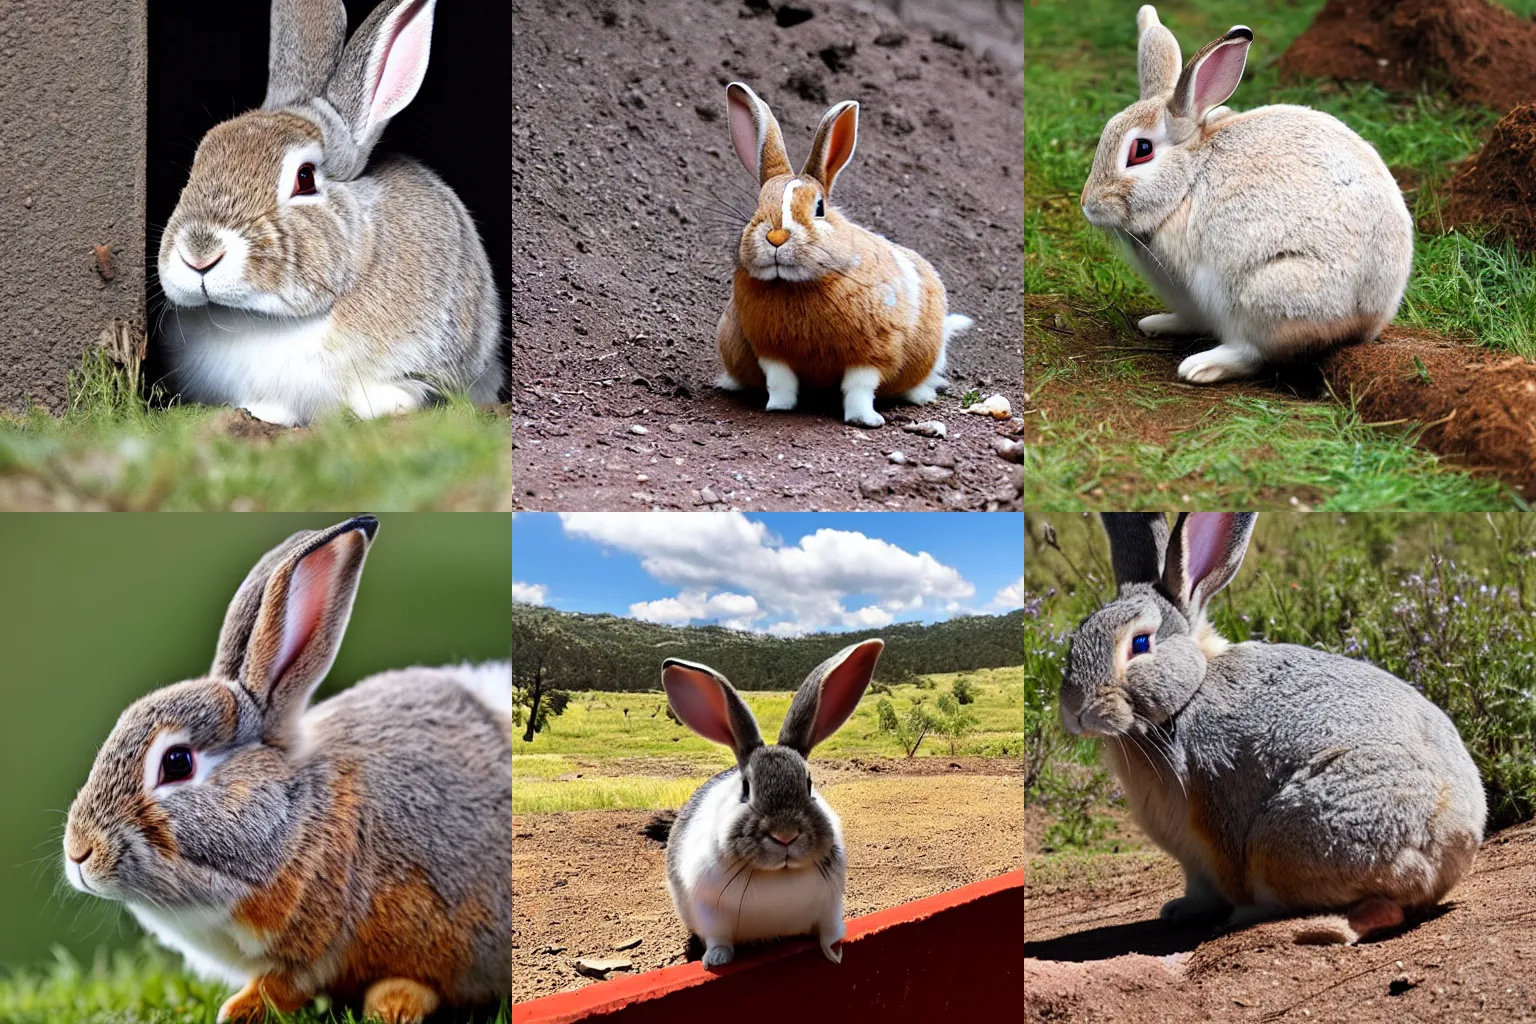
299 279
756 853
1283 779
358 847
817 300
1278 230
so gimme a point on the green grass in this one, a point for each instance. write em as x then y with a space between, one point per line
625 793
1082 70
110 451
140 987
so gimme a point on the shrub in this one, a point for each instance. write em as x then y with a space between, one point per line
961 688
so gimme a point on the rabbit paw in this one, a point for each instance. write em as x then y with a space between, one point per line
1224 362
832 951
725 382
249 1005
718 956
273 412
783 385
859 384
1160 324
369 401
1192 910
399 1001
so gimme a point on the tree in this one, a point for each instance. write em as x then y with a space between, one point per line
955 722
910 729
545 654
962 691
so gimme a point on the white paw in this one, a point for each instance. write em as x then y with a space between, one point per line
864 418
725 382
781 401
718 956
1162 324
273 412
922 394
372 400
832 953
1224 362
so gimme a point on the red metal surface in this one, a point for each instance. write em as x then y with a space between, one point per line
957 956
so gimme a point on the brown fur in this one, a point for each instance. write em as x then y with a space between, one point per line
410 930
399 1001
1227 864
249 1005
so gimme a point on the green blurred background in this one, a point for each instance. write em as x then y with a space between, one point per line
97 610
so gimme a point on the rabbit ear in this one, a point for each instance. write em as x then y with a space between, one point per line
285 624
382 67
833 145
1206 550
1157 55
306 43
755 133
1137 541
709 705
1212 75
829 695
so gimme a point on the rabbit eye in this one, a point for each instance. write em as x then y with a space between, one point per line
176 765
746 789
1141 643
1141 152
304 181
821 209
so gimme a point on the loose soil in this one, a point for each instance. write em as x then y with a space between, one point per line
585 883
1497 187
1096 952
630 203
1477 51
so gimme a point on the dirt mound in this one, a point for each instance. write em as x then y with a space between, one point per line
630 202
1478 407
1477 51
1497 187
1107 957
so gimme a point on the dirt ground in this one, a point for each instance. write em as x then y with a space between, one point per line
586 883
1477 51
630 204
1096 952
1496 188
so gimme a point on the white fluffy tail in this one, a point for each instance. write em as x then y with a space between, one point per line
955 323
491 684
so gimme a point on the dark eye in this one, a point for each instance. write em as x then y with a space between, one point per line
1141 643
746 789
176 765
1141 152
821 208
304 181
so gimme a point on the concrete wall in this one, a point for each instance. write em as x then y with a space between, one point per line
72 108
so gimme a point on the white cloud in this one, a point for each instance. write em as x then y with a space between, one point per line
730 569
1010 597
529 593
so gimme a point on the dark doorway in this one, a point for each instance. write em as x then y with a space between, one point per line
208 62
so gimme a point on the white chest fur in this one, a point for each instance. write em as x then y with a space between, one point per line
213 945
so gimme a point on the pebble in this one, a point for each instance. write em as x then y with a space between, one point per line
708 496
897 457
629 943
927 428
638 429
996 406
594 968
1013 451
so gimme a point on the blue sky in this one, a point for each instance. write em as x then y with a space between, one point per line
783 573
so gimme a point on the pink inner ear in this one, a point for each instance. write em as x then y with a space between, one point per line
407 43
309 593
743 130
841 690
841 142
1219 75
699 702
1205 537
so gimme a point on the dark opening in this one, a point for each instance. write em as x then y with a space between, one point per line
208 62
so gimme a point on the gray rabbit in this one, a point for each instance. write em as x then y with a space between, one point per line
1282 778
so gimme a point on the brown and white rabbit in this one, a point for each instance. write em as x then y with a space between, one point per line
818 301
362 847
1279 230
300 279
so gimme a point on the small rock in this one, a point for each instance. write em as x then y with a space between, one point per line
677 428
1013 451
594 968
708 496
897 457
629 943
927 428
996 406
641 478
642 497
934 473
638 429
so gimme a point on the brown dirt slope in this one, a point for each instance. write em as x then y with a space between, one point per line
585 883
629 206
1097 953
1478 51
1497 187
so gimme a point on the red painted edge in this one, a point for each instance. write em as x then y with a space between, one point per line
609 996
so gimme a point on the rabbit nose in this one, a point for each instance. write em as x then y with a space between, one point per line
203 266
777 237
785 838
82 857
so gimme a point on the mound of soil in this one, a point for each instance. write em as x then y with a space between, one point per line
629 204
1497 187
1477 51
1479 408
1095 952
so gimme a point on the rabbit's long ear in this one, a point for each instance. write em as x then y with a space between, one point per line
1137 541
829 695
833 145
1206 550
1212 75
755 133
708 704
286 621
382 68
306 43
1157 55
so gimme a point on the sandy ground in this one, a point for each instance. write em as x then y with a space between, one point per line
586 883
630 204
1095 951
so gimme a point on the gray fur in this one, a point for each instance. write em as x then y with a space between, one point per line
305 44
1137 541
1281 777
